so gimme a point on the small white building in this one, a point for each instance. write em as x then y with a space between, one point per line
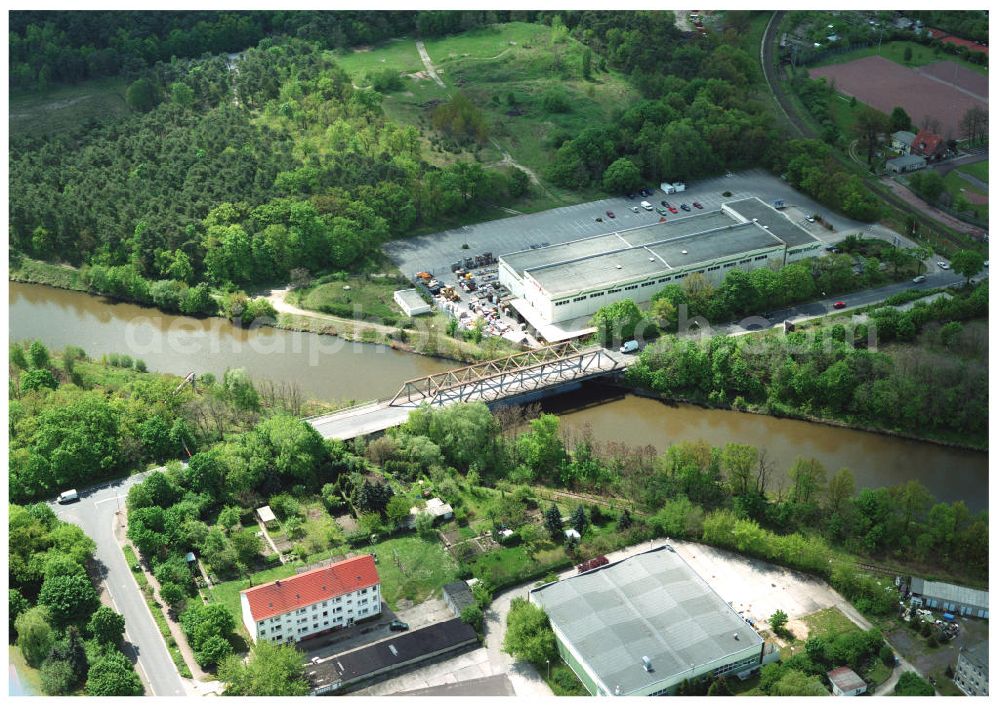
266 515
410 301
572 534
844 681
436 508
313 602
906 163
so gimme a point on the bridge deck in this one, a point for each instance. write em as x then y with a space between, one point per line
379 416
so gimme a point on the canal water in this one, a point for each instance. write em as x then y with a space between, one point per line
330 368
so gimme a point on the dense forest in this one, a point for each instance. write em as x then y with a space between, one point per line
199 189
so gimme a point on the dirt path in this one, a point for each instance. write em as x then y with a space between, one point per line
425 57
277 299
938 215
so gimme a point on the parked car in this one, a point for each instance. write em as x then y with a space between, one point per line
610 214
810 219
647 205
662 211
918 279
398 626
664 204
839 305
671 209
944 265
685 207
696 204
68 496
630 347
635 209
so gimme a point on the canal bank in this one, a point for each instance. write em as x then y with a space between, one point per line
333 369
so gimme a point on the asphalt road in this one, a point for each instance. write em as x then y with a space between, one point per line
95 513
822 307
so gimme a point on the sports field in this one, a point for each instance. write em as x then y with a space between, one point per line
930 91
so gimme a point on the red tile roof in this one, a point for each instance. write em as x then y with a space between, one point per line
926 143
950 39
285 595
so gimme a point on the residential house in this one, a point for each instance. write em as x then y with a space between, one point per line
902 140
927 144
313 602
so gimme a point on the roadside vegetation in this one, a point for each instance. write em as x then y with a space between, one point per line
76 421
929 383
56 617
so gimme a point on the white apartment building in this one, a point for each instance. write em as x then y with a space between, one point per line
313 602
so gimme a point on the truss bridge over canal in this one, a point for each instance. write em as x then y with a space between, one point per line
536 372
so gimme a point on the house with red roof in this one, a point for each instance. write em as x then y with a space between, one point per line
927 144
313 602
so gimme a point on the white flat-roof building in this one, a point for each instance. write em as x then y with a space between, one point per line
566 282
410 301
642 625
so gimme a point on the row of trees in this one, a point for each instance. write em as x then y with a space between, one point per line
56 619
831 372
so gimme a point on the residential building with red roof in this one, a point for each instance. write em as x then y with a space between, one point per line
313 602
927 144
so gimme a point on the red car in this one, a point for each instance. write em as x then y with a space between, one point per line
839 305
696 204
671 209
611 214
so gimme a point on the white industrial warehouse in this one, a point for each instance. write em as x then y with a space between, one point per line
563 283
643 625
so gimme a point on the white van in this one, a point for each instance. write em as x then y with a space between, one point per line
629 347
647 205
68 496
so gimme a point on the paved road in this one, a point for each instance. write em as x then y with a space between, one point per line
95 513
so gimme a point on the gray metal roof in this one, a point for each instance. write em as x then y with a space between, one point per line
542 257
607 270
845 678
951 593
979 655
776 222
734 239
648 605
904 136
906 161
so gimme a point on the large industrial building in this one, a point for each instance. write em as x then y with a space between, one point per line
643 625
570 281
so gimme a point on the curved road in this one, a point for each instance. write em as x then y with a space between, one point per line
97 514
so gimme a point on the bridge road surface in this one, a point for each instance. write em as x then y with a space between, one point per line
379 416
95 514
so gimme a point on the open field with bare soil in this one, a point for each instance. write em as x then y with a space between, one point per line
883 84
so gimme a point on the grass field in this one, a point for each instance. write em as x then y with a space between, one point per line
363 298
412 569
895 51
957 186
506 68
31 678
827 622
980 170
65 106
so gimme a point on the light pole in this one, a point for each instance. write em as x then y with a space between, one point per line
548 670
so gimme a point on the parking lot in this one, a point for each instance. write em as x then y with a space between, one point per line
436 252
